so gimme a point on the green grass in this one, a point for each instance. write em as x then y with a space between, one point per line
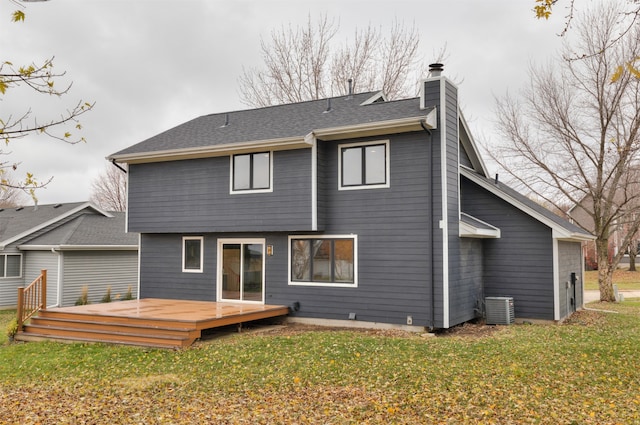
582 372
625 279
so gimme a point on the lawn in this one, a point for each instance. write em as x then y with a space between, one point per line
581 372
625 279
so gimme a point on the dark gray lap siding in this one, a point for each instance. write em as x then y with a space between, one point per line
394 272
194 195
161 273
520 263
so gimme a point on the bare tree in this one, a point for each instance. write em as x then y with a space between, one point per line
109 190
574 135
39 78
304 63
10 195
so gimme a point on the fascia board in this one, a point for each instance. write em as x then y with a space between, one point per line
306 141
41 226
470 231
473 145
377 128
78 247
211 151
558 232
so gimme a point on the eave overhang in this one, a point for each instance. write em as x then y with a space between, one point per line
378 128
558 231
471 227
211 151
78 247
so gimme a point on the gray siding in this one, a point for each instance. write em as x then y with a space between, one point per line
569 261
470 286
520 263
161 273
394 271
9 286
98 270
434 210
192 195
43 260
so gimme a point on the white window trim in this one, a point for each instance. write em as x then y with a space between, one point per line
326 284
241 241
4 258
371 186
193 238
232 191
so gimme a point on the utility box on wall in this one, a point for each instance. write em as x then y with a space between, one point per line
499 310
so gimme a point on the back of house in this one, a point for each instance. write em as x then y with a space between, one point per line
345 208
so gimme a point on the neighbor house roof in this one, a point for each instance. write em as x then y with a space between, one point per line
87 232
284 126
561 228
78 223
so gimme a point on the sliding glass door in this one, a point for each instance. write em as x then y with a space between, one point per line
241 270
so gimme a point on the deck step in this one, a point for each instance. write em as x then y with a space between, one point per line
90 325
88 317
61 326
140 338
145 322
34 337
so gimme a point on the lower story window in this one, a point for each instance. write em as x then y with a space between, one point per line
11 265
192 254
326 260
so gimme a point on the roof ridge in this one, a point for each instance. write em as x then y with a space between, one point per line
302 102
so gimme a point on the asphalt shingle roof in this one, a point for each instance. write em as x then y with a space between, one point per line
276 122
90 227
530 204
16 221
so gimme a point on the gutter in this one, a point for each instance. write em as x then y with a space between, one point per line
377 128
56 248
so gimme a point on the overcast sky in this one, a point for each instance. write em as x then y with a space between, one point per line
151 65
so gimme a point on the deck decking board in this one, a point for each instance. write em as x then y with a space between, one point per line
148 322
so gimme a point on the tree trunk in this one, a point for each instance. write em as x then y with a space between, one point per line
605 271
633 253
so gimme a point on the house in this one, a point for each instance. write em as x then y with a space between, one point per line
77 243
351 208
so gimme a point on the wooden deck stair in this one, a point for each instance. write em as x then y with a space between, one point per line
118 330
148 322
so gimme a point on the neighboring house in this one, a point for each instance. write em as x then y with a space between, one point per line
352 207
77 243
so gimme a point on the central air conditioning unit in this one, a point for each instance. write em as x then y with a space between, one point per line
499 310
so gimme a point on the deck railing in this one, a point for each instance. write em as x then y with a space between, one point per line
32 299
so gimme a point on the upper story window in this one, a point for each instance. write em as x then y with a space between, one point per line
363 165
251 172
192 254
10 265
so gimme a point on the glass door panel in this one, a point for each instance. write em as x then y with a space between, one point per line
252 267
231 267
242 271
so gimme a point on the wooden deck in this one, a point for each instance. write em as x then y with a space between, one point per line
148 322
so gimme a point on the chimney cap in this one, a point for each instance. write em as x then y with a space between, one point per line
435 69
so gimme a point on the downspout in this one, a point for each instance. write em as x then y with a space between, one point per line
430 221
113 161
59 282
